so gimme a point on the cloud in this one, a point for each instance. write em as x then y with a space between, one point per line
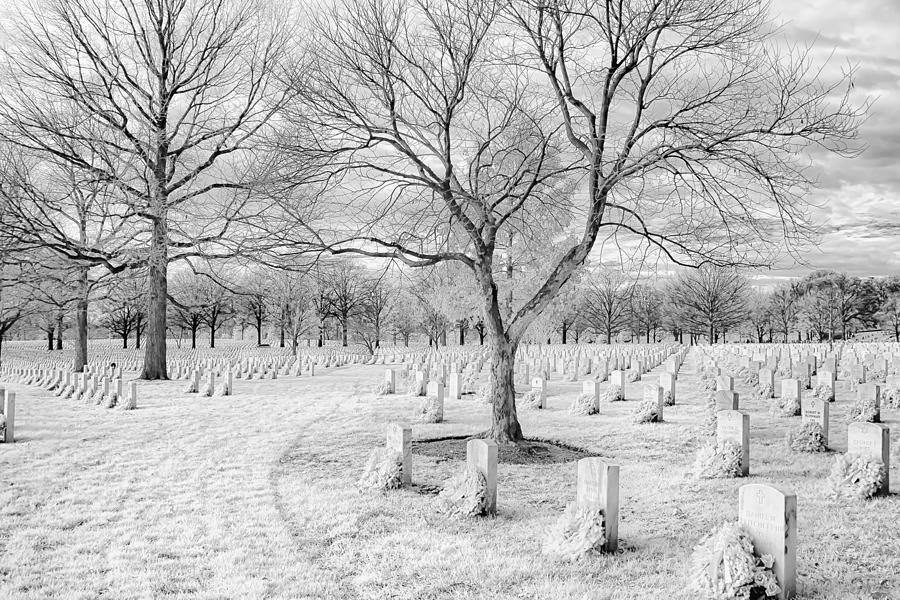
858 199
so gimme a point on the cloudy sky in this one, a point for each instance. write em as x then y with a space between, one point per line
859 198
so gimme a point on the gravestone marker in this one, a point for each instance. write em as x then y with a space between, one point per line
724 382
874 441
654 393
598 487
592 388
436 389
539 384
727 400
769 515
391 379
9 412
734 426
399 439
790 388
617 378
454 385
667 382
871 392
816 410
767 378
482 455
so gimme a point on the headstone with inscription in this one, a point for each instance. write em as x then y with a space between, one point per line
598 487
769 515
399 439
816 410
482 456
874 441
592 388
734 426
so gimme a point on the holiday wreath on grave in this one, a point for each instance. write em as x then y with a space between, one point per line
715 461
864 410
383 470
808 436
532 399
764 392
647 411
584 404
614 393
724 566
855 477
785 406
890 397
579 531
464 495
824 393
413 386
430 410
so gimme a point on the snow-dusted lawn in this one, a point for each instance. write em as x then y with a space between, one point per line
253 496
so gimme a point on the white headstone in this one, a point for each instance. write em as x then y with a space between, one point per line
769 515
598 486
482 455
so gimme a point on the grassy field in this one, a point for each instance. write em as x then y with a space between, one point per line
254 496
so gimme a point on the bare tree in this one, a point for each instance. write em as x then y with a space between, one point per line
711 300
784 304
760 315
186 303
889 314
293 295
646 310
124 307
164 101
346 289
445 143
377 304
216 303
606 306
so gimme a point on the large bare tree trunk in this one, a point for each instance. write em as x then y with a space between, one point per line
155 355
81 322
505 426
59 331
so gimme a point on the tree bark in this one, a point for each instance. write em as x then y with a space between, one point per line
505 428
137 332
50 331
81 324
59 331
155 355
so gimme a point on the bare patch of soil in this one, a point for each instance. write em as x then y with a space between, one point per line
530 452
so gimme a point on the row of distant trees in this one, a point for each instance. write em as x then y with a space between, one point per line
710 303
353 303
